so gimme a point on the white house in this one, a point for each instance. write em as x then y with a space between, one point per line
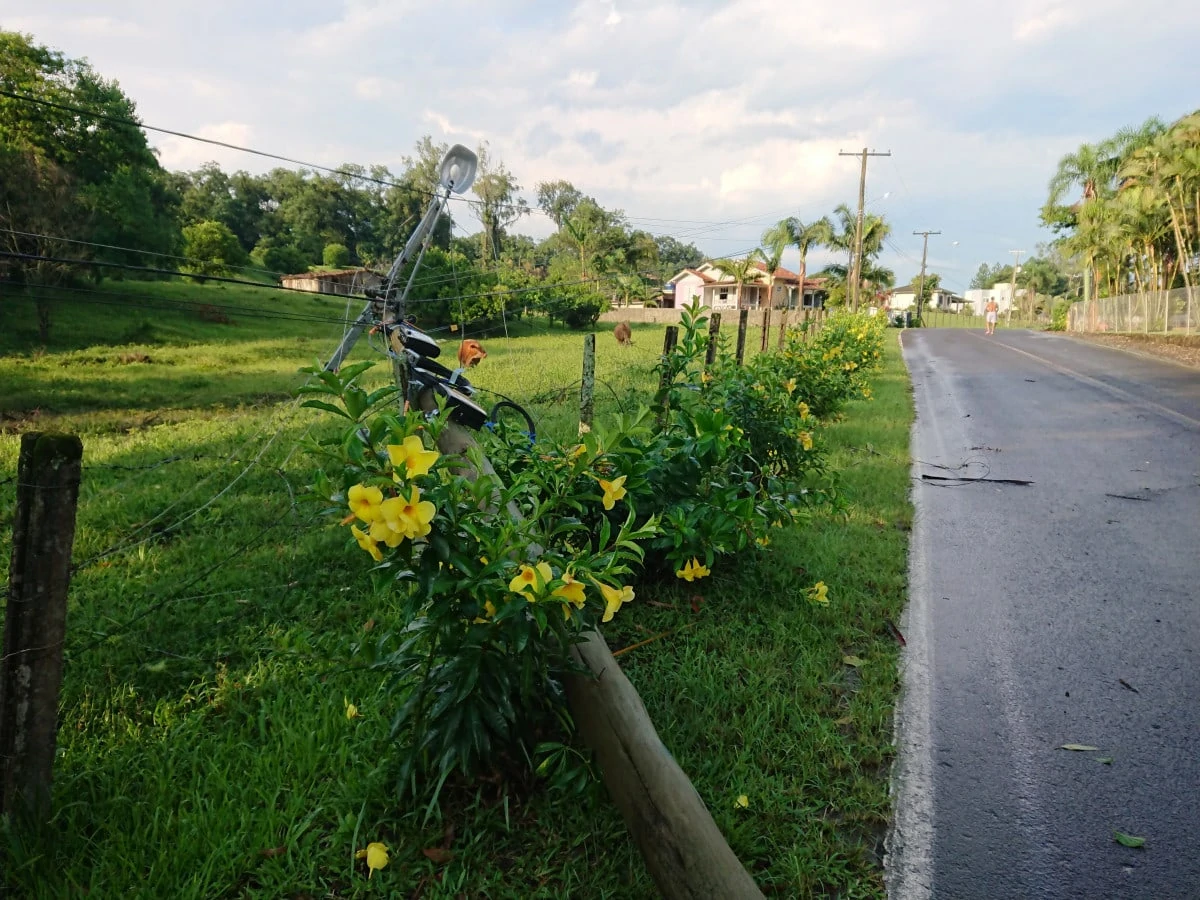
1001 292
939 298
718 290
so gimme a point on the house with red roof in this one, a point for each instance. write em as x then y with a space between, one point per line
718 290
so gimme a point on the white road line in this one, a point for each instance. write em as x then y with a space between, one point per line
908 862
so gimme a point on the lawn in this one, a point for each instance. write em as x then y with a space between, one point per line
205 747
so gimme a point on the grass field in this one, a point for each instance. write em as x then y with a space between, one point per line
205 749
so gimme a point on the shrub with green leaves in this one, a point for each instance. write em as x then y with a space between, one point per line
490 578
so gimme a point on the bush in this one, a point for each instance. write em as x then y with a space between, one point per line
486 605
336 256
283 259
211 248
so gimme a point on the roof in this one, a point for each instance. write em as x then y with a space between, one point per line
912 289
701 275
780 273
332 273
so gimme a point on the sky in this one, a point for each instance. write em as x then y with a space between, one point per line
705 120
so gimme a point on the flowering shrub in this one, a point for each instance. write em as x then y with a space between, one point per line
834 366
488 603
494 576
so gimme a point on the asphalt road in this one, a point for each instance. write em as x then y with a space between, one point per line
1066 611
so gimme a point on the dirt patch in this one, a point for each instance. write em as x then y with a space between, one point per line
1179 348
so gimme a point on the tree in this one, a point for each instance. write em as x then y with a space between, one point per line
336 256
792 232
987 275
80 170
558 200
742 271
499 205
211 248
674 255
874 232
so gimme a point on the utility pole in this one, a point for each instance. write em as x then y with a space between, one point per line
1012 296
856 253
924 255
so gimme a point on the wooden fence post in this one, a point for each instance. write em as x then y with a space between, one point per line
31 657
587 392
743 321
664 380
714 331
783 317
766 329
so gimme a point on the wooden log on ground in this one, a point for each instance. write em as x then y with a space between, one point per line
685 852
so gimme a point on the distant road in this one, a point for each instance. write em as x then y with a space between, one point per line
1066 611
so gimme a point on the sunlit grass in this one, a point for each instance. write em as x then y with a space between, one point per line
204 746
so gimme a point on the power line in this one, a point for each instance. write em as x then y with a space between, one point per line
81 243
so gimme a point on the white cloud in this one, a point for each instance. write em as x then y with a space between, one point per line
705 110
580 79
181 153
1044 25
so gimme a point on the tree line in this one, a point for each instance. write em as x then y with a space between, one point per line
1126 209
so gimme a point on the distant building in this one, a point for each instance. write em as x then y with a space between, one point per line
338 281
719 291
1001 292
939 298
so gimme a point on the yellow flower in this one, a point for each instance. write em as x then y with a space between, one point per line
364 501
819 593
489 610
413 456
742 802
692 571
376 856
364 541
613 491
803 409
577 452
352 710
417 514
806 440
614 598
531 580
705 377
763 541
790 385
571 591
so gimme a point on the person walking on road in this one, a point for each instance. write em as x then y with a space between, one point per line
991 314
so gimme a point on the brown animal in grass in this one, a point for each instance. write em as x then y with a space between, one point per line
623 334
470 352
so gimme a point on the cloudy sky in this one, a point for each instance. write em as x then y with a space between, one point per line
705 120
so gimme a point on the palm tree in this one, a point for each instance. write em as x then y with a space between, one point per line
874 232
771 258
742 271
792 232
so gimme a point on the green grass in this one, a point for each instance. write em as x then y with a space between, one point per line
204 746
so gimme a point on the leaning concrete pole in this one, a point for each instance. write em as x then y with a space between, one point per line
684 850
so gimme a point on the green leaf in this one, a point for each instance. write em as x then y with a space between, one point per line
328 407
1085 748
856 662
1107 760
1128 840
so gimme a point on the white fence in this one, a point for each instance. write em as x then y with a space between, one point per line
1152 312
